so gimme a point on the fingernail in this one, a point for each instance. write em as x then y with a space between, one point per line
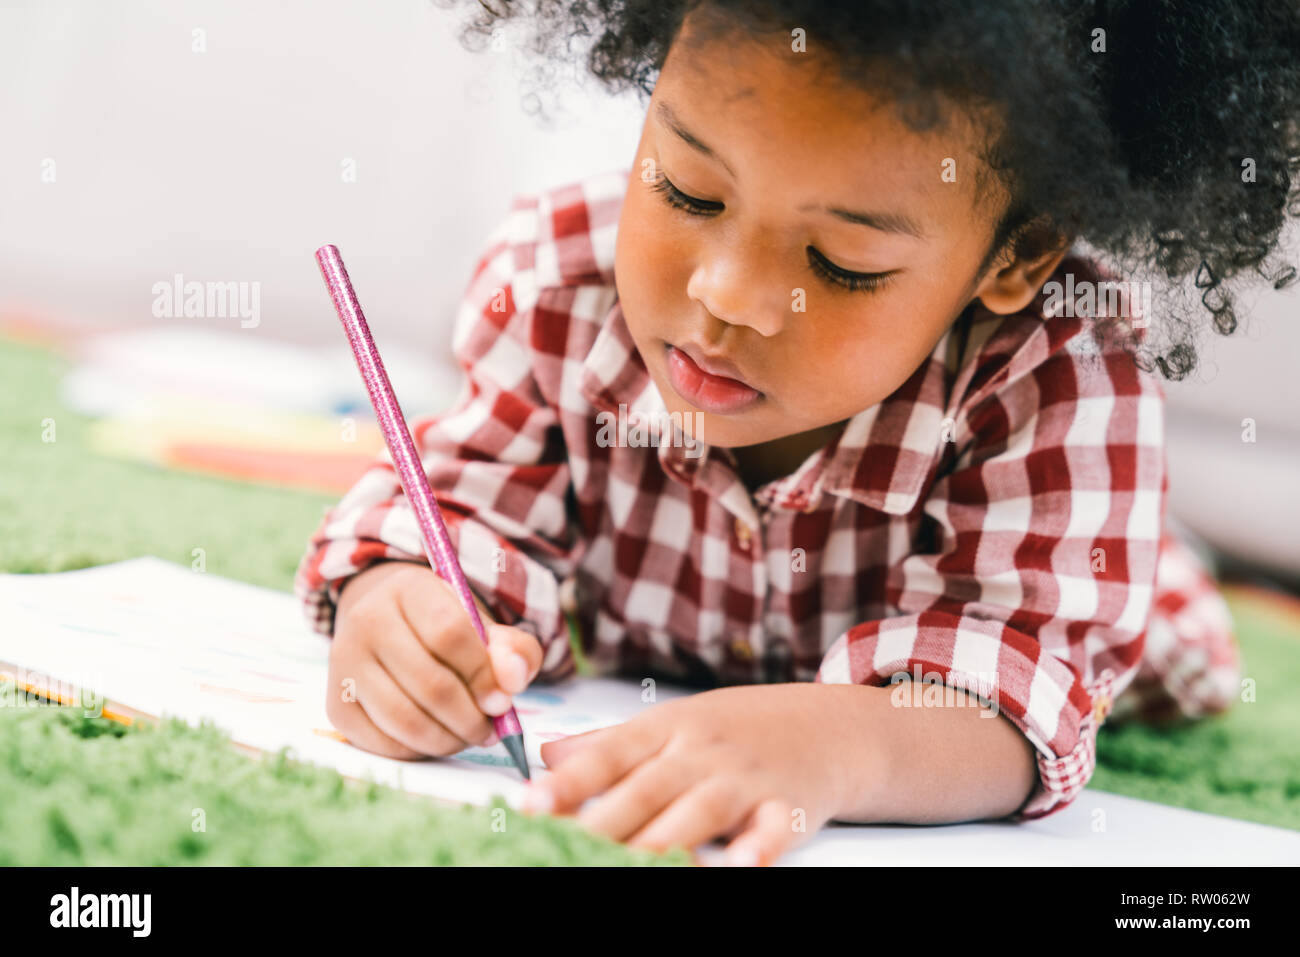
744 856
539 798
516 672
494 703
492 739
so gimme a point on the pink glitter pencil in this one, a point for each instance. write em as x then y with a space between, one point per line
437 542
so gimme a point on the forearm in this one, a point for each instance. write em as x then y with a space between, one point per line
932 764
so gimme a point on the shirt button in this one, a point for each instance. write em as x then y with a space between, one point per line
1101 709
740 648
800 501
742 533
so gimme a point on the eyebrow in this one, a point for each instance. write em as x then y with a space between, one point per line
883 221
670 120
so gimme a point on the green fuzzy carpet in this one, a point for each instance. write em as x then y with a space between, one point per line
76 790
1243 764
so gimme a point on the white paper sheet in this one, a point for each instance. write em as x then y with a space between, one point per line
165 640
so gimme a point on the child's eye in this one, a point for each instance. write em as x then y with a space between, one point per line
676 198
864 281
858 281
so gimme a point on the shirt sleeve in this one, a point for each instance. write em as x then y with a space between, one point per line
497 464
1033 582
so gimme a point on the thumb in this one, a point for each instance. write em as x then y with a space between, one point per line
516 657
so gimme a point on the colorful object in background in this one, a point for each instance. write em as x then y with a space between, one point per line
239 405
298 451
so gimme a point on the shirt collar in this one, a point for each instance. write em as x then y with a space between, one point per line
884 454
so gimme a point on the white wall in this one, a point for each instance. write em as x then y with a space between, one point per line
1243 496
226 165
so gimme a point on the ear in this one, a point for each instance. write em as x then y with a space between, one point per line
1012 283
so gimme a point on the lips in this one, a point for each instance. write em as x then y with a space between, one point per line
701 382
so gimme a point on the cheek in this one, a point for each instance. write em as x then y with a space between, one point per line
651 260
852 361
864 351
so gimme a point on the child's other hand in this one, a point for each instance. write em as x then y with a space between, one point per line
763 765
408 674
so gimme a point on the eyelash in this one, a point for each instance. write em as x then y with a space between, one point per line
856 281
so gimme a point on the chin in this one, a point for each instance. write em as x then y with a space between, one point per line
726 432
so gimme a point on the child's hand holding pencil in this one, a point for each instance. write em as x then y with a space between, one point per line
408 675
397 704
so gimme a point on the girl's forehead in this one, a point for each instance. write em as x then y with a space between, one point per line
735 70
794 152
751 99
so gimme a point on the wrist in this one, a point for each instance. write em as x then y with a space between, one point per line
357 586
369 578
936 763
861 758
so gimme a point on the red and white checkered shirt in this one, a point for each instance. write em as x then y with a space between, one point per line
997 524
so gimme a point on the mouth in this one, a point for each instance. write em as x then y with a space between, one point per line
707 389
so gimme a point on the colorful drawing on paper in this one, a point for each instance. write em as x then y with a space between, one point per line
478 757
533 696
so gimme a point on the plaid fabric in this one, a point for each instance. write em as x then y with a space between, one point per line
1190 664
994 525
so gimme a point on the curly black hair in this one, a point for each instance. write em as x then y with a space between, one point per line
1164 135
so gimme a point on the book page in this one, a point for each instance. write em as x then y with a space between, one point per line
164 640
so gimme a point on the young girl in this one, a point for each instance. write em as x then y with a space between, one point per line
909 500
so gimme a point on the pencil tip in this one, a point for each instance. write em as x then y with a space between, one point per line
515 745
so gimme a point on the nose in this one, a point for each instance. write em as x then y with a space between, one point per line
736 283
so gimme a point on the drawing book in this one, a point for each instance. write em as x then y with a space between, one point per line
155 638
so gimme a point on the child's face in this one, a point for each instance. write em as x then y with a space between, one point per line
787 143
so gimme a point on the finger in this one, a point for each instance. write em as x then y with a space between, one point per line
555 753
769 835
361 731
351 720
378 624
435 616
638 798
705 810
516 657
434 687
399 717
590 770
